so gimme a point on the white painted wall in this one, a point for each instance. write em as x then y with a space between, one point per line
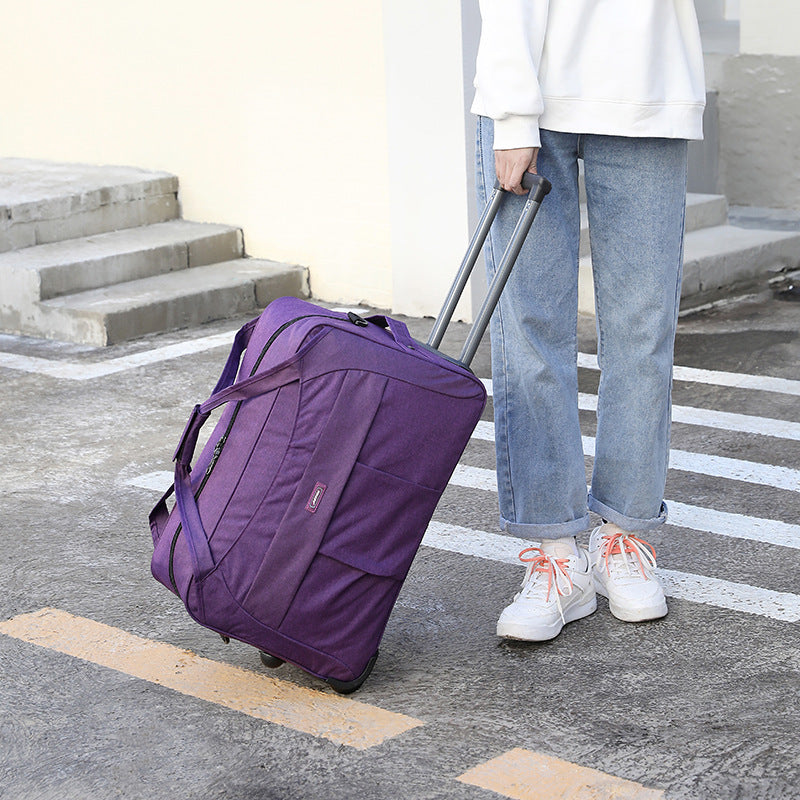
428 183
771 28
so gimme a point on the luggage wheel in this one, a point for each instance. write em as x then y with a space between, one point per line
348 687
273 662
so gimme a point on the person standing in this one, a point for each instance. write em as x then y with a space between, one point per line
618 85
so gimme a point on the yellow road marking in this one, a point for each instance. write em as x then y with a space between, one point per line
333 717
524 775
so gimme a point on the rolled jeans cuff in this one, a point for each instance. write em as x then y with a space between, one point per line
631 524
536 532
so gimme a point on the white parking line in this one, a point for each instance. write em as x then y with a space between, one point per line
733 469
697 588
154 481
737 380
721 420
737 526
742 597
710 418
78 371
682 515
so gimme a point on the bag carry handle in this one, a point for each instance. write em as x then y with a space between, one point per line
538 188
398 329
239 345
192 525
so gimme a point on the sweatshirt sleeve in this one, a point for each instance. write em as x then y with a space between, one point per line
506 76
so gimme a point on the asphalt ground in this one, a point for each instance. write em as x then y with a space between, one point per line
110 690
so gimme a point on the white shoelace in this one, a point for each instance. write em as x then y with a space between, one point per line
556 570
628 556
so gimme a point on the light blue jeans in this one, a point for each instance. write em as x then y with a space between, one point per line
636 196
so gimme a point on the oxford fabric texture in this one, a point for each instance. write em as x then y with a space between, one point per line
296 527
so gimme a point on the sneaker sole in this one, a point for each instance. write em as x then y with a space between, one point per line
522 632
633 614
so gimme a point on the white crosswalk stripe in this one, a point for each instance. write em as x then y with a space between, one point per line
710 590
735 380
682 515
709 418
717 466
682 585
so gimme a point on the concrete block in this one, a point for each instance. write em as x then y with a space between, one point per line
43 202
718 262
216 247
77 265
723 259
705 211
168 301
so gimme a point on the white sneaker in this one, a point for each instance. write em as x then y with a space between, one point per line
623 568
555 591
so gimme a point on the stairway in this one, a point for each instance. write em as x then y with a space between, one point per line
719 260
100 254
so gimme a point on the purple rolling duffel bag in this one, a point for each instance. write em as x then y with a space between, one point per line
295 528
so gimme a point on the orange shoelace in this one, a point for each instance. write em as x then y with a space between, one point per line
556 570
626 545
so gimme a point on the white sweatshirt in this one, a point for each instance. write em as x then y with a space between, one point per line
617 67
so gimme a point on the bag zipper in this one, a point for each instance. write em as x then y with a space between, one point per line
355 319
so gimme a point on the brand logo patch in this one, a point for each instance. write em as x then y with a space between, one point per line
316 497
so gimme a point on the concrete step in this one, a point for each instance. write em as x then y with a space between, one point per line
719 261
44 202
705 211
702 211
168 301
77 265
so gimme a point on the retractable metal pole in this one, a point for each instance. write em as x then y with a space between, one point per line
473 251
539 188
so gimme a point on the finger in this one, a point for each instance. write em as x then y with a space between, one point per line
532 167
501 168
515 179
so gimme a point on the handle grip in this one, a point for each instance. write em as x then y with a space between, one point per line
534 183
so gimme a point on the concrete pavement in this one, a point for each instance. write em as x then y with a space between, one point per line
99 698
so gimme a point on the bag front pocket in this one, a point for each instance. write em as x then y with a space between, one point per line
379 522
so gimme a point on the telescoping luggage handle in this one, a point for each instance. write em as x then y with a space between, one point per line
538 187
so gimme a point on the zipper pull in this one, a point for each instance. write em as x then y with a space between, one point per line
215 456
356 320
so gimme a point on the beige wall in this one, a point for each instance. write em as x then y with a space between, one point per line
332 133
272 114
